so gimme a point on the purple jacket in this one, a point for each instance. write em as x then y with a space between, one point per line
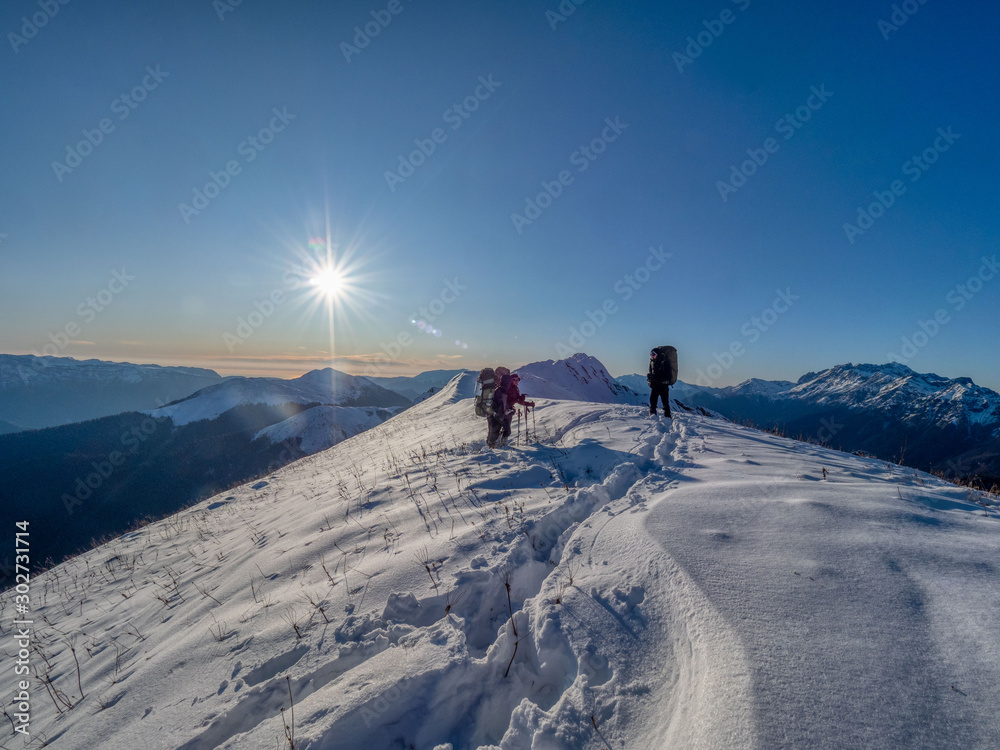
507 396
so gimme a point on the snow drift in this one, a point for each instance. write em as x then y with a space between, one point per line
615 581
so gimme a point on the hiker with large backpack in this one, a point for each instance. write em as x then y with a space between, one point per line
662 375
497 395
490 382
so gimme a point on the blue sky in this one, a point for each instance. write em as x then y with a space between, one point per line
633 122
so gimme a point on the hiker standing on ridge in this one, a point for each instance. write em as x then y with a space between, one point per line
498 383
662 375
505 398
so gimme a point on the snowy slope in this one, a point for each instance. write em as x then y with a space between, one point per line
322 427
415 386
679 390
949 426
326 386
674 584
580 377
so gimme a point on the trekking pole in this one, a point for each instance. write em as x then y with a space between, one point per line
534 427
518 427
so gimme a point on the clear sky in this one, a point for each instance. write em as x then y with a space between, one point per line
501 172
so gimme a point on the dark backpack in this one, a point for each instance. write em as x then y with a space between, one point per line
500 391
485 387
664 367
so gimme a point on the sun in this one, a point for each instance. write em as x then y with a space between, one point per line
329 282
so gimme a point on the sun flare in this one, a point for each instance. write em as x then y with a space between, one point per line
329 282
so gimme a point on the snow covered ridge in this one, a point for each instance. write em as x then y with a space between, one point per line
416 386
890 388
948 426
322 427
618 581
326 386
578 378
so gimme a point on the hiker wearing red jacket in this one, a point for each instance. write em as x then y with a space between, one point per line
506 397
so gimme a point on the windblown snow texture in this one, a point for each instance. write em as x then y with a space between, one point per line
684 584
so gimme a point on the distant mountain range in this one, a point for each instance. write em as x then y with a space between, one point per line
949 426
49 391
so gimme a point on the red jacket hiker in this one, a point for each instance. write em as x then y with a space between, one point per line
505 398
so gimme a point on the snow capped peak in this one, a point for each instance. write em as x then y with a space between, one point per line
325 386
328 380
577 378
758 387
322 375
897 388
